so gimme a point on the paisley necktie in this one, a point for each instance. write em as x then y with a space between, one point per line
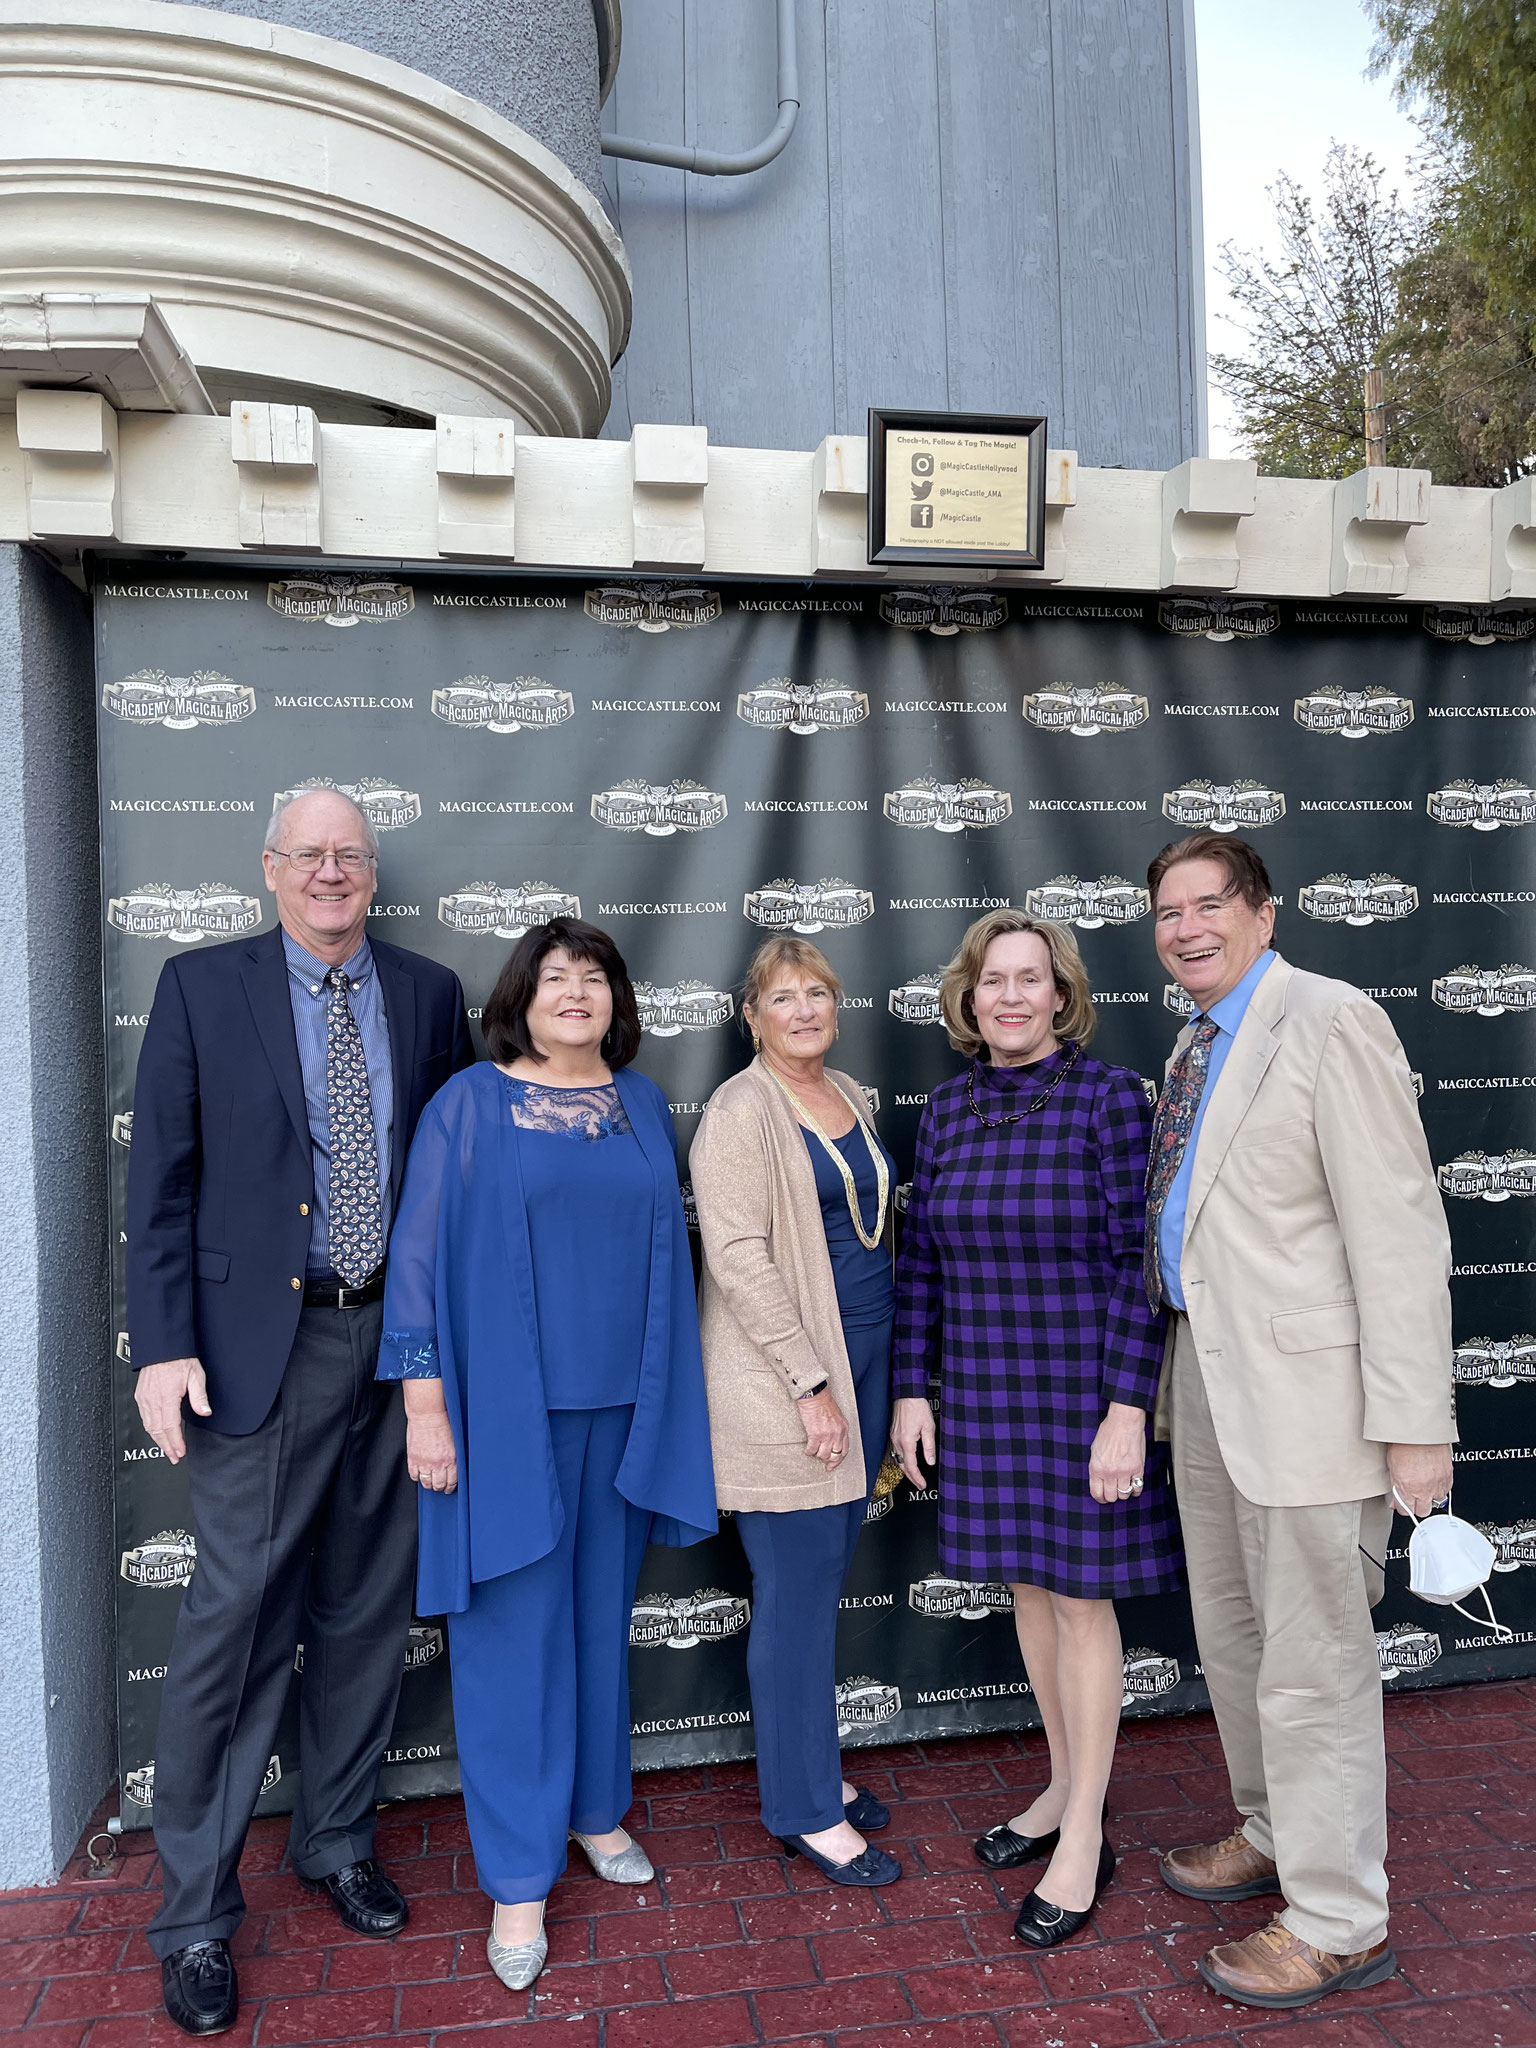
1171 1127
357 1210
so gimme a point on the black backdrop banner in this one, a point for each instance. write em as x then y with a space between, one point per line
692 766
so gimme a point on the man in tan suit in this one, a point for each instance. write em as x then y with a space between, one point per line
1294 1228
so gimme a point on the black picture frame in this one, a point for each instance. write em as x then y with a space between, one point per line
1027 427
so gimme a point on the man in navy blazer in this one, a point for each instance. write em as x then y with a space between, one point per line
278 1089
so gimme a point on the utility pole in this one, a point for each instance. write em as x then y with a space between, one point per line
1375 420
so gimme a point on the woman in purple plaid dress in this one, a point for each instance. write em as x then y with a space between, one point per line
1020 1287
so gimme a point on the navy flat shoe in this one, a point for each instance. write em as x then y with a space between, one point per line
874 1867
1042 1925
865 1812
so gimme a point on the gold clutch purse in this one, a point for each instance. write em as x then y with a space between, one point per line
889 1477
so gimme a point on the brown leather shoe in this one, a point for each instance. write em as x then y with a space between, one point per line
1274 1968
1231 1869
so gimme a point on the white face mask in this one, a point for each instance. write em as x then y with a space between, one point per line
1448 1560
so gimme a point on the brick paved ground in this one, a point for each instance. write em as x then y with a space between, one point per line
734 1945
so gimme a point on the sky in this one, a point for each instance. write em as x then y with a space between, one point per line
1278 83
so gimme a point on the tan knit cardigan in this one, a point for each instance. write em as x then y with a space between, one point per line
768 1306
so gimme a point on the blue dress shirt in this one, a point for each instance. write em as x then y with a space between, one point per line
1228 1014
310 999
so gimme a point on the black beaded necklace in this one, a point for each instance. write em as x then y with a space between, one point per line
996 1122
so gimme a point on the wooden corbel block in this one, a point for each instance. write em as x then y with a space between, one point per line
840 506
1514 540
671 471
276 449
68 442
1060 497
1372 512
1203 502
476 459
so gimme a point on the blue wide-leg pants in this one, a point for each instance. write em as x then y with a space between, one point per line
800 1563
541 1673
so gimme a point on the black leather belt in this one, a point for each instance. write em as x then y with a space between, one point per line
334 1295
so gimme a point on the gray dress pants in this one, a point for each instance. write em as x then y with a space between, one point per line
306 1532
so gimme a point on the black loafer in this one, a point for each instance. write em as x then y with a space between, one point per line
1001 1849
865 1812
365 1899
199 1987
1042 1925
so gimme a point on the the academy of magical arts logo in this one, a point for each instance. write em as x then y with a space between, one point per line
482 704
652 607
942 1599
1069 899
944 612
783 705
1495 1361
1178 1000
1477 624
1405 1646
162 1561
386 805
487 910
1514 1543
1357 900
1489 1176
1085 709
681 1621
156 910
139 1785
675 1007
180 703
1485 991
122 1128
1219 618
1147 1675
338 599
1484 806
423 1646
864 1703
916 1000
658 809
1353 714
1241 805
927 804
786 906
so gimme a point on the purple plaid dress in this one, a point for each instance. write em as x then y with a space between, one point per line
1020 1281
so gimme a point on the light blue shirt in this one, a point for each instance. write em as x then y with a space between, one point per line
311 1024
1227 1015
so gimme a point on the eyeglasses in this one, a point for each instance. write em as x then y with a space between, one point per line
309 860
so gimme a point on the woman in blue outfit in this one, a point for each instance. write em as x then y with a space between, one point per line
540 1310
794 1198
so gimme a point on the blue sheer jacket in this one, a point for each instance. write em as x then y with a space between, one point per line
459 1301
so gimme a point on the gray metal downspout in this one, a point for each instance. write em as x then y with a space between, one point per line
710 163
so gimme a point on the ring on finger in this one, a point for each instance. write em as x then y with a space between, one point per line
1135 1486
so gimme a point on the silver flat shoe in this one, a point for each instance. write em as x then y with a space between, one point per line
619 1866
517 1963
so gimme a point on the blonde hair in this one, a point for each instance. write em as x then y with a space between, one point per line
798 955
1077 1020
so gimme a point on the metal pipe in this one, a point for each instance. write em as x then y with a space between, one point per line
710 163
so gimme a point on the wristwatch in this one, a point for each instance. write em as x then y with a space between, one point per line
819 1388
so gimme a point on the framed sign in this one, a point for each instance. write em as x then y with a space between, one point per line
957 487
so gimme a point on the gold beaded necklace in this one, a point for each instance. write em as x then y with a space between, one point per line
882 1172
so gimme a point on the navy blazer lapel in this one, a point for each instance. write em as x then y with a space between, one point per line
399 990
264 971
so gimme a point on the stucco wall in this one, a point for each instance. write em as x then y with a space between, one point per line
56 1690
535 61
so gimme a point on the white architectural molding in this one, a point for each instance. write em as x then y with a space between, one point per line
1513 540
840 516
476 461
670 471
276 449
310 216
1203 503
68 445
1373 512
117 343
1060 497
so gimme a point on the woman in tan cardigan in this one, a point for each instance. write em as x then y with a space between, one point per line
794 1199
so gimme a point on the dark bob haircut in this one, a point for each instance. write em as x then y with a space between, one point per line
505 1021
1246 873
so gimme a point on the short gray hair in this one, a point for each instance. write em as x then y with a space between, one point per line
290 797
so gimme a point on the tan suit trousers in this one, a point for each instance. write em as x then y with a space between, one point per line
1282 1601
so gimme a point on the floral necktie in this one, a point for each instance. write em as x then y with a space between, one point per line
357 1210
1171 1127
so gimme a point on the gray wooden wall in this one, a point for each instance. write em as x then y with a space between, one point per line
986 205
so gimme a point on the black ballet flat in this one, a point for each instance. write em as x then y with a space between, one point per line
865 1812
874 1867
1042 1925
1001 1848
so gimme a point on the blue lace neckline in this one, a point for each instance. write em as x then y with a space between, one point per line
584 1113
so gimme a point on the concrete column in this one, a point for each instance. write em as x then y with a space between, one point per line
56 1665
